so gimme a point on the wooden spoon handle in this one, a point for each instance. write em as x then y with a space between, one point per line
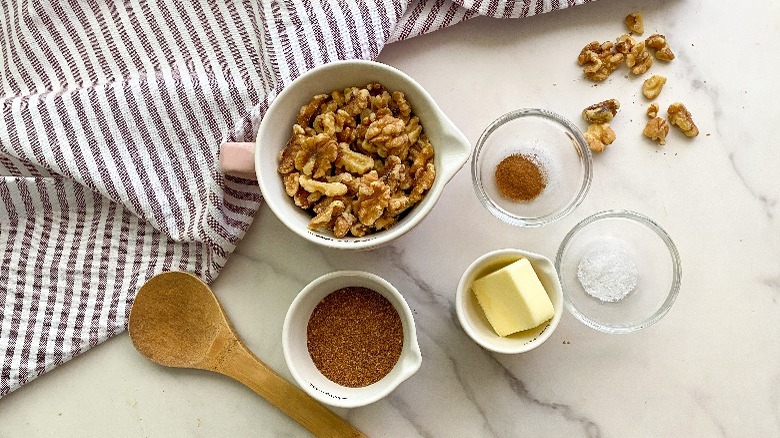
240 364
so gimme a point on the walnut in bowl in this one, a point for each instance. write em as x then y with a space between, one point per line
358 160
450 150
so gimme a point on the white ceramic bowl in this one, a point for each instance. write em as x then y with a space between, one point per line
473 319
451 147
302 367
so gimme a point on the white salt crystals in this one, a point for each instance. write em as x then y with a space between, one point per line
607 271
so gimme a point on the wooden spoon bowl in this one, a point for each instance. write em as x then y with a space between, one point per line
176 321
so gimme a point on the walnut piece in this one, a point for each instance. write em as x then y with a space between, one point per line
601 112
316 155
328 210
624 44
352 161
387 136
661 47
652 110
634 23
639 59
373 198
599 60
599 135
326 188
681 117
357 159
652 86
656 129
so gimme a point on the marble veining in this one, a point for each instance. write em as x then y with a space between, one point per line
710 368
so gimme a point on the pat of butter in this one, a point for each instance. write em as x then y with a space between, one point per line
513 298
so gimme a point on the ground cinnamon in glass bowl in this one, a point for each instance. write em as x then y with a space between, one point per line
520 178
531 167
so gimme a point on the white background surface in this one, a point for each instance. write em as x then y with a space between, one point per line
710 368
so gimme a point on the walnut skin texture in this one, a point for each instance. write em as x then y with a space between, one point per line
634 23
658 43
652 86
357 159
681 117
652 110
598 136
656 129
601 112
599 60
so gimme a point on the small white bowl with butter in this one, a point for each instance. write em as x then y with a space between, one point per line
501 302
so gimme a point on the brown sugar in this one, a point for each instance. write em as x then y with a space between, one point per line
520 178
354 336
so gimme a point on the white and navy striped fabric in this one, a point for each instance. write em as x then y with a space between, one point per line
112 116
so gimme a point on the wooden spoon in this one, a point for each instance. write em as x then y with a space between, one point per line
177 321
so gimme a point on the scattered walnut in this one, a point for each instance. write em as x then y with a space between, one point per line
634 23
681 117
599 135
639 59
599 60
601 112
357 159
652 86
657 129
652 110
659 44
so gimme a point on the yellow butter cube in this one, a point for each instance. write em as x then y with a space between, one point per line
513 298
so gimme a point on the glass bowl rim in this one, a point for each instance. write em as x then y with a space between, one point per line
581 147
652 225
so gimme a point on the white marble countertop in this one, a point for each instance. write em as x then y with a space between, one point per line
711 367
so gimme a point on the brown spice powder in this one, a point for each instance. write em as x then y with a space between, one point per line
520 178
354 336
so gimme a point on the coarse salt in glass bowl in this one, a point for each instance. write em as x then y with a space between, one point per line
619 271
555 144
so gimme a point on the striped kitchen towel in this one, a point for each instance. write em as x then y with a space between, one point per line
112 113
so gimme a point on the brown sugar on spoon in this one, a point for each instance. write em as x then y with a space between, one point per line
520 178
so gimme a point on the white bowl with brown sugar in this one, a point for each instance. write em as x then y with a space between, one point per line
349 339
381 206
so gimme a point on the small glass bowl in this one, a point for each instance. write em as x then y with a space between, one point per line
657 263
557 146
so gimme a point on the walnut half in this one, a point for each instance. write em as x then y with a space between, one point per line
681 117
657 129
599 135
652 86
599 60
601 112
662 50
634 23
